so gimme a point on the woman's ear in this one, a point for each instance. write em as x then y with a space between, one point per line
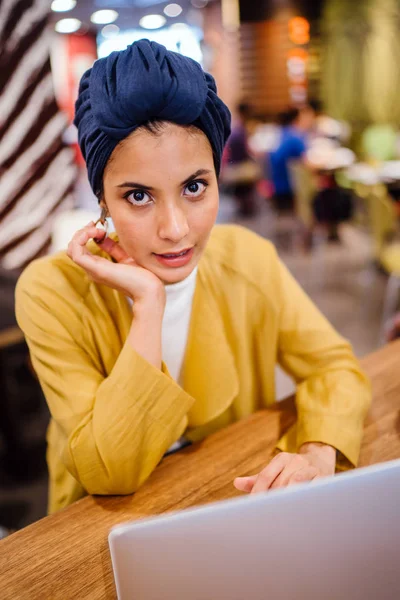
102 220
103 206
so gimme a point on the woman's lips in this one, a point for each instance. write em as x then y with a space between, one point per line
175 260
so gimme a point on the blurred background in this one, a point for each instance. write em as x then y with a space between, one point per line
313 163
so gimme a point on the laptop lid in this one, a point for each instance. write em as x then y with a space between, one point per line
333 539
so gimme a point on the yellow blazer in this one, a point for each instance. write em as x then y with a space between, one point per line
114 415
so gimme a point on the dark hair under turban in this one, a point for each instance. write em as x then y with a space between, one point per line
143 83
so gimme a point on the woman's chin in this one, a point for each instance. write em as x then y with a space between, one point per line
169 276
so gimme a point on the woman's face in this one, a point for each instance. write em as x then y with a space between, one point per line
162 194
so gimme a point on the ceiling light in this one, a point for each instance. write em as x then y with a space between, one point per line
101 17
179 26
152 21
63 5
67 25
173 10
110 31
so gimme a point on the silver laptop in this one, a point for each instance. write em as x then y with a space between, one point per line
334 539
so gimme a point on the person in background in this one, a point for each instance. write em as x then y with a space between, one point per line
240 171
296 124
172 327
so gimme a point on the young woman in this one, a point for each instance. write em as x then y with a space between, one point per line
173 326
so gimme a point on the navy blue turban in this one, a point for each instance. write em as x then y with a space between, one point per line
143 83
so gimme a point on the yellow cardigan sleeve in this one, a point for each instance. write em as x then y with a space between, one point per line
333 395
115 429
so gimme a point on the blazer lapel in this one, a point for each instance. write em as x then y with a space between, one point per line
209 373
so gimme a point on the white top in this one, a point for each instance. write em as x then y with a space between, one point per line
175 329
176 320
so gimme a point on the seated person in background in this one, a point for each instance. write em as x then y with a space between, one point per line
296 123
173 326
239 167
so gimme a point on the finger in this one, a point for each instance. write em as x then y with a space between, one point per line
267 476
95 266
296 463
82 236
115 251
100 235
86 231
304 474
245 484
394 329
77 248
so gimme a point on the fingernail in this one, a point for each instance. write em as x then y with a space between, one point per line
100 233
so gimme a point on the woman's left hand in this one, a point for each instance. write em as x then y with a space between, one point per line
313 461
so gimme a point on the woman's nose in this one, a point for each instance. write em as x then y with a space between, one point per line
173 224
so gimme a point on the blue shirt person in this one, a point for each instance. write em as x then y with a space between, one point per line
293 144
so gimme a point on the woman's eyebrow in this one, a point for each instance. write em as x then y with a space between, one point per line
133 184
142 186
196 174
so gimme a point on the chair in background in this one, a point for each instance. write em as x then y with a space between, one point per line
10 337
391 263
21 395
304 188
382 220
384 227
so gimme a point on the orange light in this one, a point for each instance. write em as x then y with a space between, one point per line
299 30
298 53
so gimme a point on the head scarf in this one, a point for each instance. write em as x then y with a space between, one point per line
145 82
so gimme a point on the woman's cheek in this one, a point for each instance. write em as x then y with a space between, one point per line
130 238
200 225
210 217
206 216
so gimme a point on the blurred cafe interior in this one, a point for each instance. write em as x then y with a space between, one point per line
312 164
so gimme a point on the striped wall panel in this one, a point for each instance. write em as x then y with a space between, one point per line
37 170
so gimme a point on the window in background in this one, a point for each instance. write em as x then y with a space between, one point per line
179 37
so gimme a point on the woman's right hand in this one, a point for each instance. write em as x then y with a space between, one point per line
123 275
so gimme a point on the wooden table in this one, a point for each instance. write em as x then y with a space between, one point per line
66 555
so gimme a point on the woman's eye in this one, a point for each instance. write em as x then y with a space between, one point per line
138 198
195 188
